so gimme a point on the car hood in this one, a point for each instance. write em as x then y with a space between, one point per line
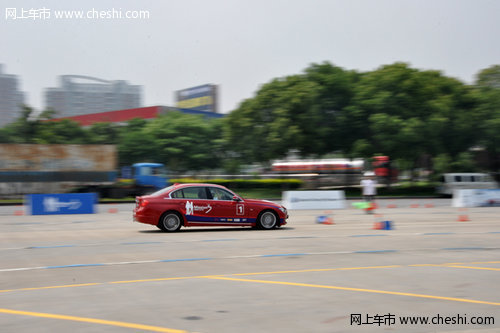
262 202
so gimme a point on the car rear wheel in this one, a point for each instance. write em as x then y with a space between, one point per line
170 222
267 220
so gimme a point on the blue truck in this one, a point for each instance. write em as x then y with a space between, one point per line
139 179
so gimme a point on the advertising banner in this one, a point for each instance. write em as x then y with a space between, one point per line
314 199
476 198
65 203
201 98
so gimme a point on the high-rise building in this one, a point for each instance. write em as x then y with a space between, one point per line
11 98
78 95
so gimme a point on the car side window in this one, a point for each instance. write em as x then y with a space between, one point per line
220 194
177 194
191 193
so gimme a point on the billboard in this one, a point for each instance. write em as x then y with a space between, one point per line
61 203
314 199
201 98
476 198
57 157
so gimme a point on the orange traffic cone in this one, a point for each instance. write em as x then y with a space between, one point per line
463 217
381 224
324 220
19 212
378 224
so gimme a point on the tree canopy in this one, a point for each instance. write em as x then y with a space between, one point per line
396 110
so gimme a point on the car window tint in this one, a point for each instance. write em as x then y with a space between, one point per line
202 193
220 194
194 193
178 194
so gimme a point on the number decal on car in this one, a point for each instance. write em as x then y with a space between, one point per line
240 209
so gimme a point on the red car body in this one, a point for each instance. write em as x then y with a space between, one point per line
191 205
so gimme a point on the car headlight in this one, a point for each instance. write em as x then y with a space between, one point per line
283 210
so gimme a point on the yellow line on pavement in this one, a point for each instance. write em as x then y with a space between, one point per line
472 267
92 321
457 265
156 279
484 262
470 263
315 270
52 287
354 289
193 277
99 283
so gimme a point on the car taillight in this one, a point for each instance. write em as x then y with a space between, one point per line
140 202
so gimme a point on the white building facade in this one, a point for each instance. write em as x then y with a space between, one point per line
11 98
79 95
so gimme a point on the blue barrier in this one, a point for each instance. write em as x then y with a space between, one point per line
61 203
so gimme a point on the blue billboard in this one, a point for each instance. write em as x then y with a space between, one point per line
201 98
61 203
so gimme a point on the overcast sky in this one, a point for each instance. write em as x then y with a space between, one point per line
241 44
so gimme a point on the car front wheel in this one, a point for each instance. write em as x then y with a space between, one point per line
267 220
170 222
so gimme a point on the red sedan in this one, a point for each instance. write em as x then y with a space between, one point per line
191 205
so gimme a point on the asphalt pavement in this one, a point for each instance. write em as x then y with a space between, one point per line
435 269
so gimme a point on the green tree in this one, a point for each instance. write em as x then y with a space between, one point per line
407 113
487 90
103 133
184 142
60 132
442 164
489 77
137 146
24 129
297 112
464 162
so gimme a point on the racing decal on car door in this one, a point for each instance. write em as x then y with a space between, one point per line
240 209
191 208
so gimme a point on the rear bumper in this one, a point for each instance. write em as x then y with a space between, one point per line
144 218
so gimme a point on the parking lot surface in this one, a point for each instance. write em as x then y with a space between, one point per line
436 269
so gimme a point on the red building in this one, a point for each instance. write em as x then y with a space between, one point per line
122 116
119 116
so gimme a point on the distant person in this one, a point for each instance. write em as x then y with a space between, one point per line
369 185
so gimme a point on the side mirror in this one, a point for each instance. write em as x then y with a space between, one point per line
237 199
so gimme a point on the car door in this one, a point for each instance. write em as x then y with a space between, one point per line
195 204
225 209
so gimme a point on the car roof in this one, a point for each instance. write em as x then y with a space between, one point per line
196 185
